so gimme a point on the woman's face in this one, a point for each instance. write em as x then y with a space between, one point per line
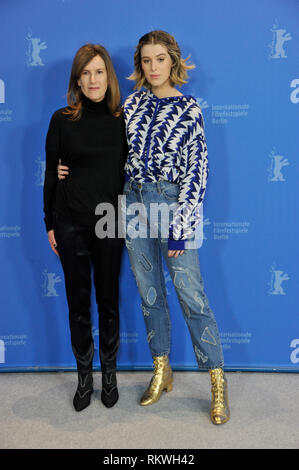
94 80
156 64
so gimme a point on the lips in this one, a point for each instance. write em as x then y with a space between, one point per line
155 76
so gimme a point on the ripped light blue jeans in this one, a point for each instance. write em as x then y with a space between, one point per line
146 261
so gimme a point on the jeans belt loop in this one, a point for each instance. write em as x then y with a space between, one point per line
159 186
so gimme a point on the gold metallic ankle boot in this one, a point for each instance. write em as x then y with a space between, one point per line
161 380
219 408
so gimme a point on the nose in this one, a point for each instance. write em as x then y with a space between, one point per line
92 77
153 66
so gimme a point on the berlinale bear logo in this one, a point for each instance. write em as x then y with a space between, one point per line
280 36
49 281
277 278
33 51
278 162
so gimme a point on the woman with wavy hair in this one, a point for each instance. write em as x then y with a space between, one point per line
88 136
167 164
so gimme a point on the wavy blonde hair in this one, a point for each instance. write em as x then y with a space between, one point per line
74 95
178 74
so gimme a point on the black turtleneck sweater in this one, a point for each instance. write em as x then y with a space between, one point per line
95 149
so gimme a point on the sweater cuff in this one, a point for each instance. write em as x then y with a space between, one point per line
49 223
176 244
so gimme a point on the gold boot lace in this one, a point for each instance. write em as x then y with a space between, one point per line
220 412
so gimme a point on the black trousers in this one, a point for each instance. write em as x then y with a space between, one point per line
79 247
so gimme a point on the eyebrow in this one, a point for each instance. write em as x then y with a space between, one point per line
147 57
87 70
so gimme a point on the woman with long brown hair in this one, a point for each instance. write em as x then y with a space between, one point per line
89 137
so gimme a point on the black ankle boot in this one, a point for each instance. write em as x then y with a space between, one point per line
109 394
84 390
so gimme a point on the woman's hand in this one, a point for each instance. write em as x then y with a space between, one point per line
175 253
62 171
52 241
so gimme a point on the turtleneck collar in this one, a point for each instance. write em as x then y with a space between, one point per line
93 106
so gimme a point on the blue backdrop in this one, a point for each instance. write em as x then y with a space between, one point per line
247 82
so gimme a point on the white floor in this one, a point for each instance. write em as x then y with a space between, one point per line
36 413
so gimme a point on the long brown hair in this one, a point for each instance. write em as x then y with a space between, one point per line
178 74
74 95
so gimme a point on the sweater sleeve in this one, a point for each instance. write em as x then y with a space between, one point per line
193 183
53 146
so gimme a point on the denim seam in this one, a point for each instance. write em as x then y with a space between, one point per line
165 293
163 288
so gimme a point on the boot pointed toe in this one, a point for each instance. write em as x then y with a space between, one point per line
84 391
109 395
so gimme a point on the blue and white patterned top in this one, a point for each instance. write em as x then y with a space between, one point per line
167 142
